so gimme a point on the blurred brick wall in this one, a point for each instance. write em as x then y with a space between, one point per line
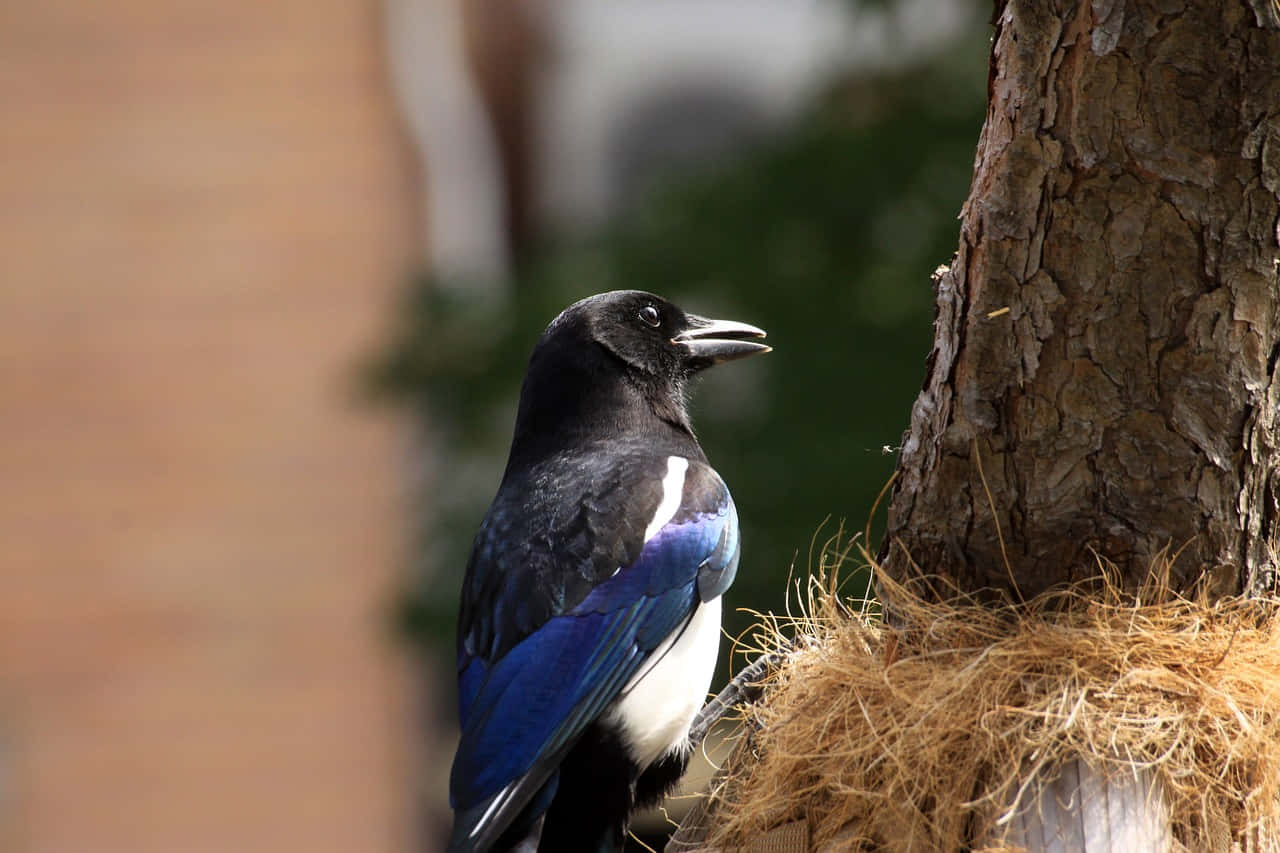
204 209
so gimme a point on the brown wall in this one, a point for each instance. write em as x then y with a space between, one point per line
204 208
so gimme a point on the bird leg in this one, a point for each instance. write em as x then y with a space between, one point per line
744 688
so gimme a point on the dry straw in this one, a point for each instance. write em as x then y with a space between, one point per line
918 735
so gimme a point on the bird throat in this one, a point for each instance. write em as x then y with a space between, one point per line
667 402
558 416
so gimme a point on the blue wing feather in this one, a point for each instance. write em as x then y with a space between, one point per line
521 713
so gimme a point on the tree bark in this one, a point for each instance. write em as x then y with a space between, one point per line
1107 335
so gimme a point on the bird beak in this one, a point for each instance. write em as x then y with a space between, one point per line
707 342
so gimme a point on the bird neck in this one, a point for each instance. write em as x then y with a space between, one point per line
577 406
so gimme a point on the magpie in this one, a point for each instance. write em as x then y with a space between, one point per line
590 615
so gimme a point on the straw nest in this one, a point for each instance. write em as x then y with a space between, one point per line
919 735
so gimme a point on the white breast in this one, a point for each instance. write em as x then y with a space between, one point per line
656 707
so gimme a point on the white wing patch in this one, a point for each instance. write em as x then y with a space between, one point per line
672 494
656 707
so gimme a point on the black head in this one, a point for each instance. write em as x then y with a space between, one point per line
612 359
657 340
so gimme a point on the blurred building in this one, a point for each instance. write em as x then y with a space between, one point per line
205 208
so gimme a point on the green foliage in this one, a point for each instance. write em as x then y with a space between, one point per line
826 239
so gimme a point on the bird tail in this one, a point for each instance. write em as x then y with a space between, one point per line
465 839
502 823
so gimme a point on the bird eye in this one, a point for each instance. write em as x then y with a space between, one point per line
649 316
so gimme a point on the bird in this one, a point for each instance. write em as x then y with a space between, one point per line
589 622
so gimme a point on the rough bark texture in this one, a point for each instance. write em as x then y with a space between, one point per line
1125 210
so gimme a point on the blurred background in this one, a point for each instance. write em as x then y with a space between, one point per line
269 276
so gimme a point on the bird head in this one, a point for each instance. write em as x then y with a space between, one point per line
654 337
608 349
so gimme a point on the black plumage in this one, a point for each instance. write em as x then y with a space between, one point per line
589 620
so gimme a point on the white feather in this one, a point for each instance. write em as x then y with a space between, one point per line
656 707
672 494
498 802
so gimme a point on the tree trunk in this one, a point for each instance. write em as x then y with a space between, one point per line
1107 335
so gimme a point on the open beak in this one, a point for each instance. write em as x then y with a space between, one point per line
707 342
